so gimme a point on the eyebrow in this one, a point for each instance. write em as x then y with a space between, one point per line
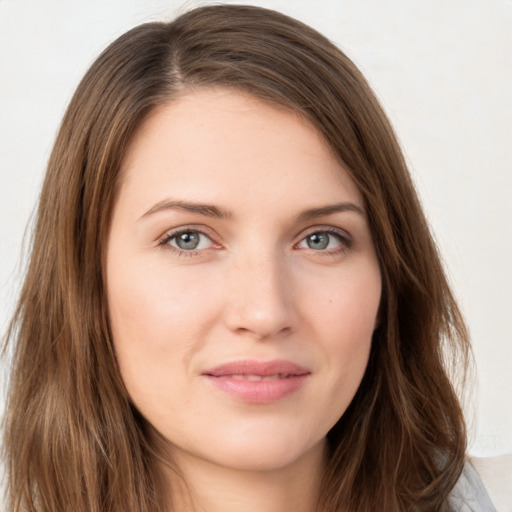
323 211
210 210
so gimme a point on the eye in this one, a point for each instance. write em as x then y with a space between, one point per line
189 240
325 240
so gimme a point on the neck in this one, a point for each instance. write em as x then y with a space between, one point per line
210 488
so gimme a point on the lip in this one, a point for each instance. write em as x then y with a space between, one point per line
258 382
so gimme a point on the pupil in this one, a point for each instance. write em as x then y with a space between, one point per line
318 241
187 241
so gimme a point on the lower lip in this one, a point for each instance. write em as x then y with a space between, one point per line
258 392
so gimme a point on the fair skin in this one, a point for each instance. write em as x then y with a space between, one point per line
243 292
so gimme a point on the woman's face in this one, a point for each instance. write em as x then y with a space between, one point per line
243 284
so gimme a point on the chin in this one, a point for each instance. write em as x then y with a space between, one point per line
262 452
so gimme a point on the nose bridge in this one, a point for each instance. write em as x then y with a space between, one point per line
260 301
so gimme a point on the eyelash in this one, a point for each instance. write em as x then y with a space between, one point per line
167 237
346 241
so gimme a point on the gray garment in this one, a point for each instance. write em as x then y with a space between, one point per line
469 494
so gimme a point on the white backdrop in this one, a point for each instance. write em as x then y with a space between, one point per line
441 68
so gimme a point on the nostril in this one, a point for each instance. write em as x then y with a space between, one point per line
264 334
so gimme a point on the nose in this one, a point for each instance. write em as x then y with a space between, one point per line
260 300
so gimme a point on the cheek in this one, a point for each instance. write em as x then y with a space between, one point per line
156 305
346 307
345 318
355 318
158 319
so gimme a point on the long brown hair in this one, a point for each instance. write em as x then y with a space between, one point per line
72 437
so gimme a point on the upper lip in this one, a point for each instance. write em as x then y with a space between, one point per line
261 368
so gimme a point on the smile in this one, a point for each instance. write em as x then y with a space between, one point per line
256 378
258 382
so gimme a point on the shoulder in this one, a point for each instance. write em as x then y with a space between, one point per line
469 494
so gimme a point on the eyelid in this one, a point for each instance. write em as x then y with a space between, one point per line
345 237
342 233
163 240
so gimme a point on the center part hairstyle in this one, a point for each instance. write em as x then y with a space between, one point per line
73 439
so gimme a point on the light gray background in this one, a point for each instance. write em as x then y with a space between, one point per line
442 69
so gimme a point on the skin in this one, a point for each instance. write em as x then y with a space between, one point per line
258 286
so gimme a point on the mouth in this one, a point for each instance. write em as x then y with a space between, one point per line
258 382
256 378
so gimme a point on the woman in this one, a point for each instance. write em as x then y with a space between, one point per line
233 301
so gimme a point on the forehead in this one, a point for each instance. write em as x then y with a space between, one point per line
217 142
